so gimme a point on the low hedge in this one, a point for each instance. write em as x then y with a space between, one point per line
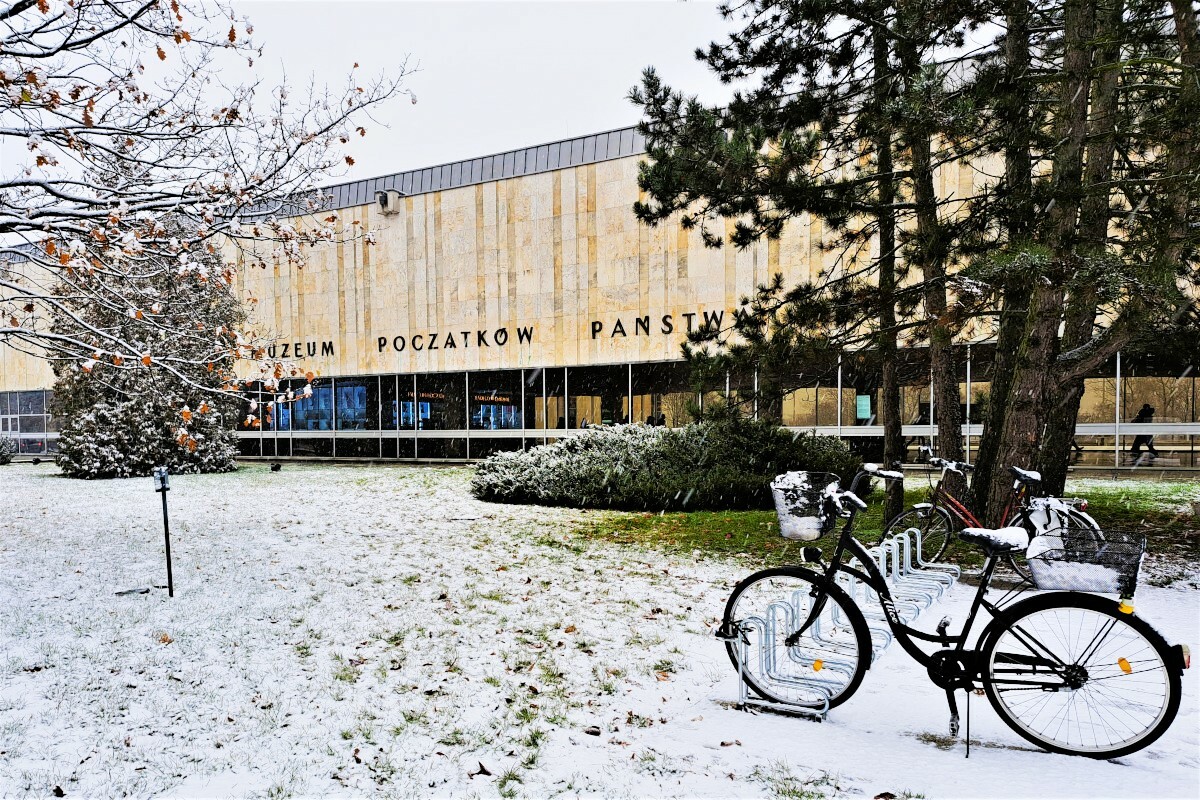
720 465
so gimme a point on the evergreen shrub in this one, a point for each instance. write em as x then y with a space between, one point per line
718 465
8 449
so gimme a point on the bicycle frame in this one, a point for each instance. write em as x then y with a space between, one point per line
947 502
906 635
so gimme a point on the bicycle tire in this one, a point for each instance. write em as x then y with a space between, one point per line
839 645
1032 685
935 525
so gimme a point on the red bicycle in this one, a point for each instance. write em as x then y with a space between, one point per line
945 514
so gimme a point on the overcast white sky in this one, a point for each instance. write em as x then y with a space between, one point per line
493 75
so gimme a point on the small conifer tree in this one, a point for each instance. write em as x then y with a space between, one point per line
121 419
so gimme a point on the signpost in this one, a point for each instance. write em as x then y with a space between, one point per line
162 485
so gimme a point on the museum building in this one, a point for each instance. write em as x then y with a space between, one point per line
512 299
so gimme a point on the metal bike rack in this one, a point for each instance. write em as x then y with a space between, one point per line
915 586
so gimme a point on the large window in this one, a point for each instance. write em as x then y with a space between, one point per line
598 396
441 401
357 404
662 394
496 400
314 413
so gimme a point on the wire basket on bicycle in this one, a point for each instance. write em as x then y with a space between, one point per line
802 504
1106 562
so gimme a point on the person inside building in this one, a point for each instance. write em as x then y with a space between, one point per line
1146 414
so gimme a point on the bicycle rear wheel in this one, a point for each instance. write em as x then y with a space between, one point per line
1072 674
830 645
1075 529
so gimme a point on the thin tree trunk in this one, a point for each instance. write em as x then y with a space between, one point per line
1014 110
929 254
893 439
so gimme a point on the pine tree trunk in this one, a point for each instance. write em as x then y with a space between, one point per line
1026 415
1065 395
1014 110
929 254
893 439
1034 370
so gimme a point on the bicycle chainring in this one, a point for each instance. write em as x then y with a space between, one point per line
951 669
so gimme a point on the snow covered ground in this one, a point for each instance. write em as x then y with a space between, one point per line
348 631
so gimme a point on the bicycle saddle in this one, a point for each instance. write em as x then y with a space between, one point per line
1000 540
1025 476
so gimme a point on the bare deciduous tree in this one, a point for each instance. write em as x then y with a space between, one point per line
136 157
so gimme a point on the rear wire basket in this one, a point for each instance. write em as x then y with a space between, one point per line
1106 562
800 504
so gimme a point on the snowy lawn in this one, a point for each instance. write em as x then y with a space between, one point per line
345 631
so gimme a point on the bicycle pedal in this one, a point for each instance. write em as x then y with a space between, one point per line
954 727
727 631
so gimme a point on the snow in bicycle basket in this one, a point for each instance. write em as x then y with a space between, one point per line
1107 562
800 504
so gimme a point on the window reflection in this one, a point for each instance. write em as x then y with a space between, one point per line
598 396
441 401
496 400
357 404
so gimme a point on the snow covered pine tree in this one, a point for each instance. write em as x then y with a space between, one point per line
121 420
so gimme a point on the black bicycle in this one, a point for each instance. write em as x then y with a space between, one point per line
1072 672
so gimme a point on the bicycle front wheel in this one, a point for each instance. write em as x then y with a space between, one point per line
934 525
1072 674
801 640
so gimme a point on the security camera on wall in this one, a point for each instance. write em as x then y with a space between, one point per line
389 201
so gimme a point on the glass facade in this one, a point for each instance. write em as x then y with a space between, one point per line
470 415
25 417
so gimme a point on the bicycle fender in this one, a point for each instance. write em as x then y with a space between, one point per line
1000 620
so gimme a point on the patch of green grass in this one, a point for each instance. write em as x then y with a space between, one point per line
1157 509
345 672
505 786
453 738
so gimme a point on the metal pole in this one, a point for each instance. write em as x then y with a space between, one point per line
629 420
167 540
931 445
968 404
839 397
1117 418
755 392
467 410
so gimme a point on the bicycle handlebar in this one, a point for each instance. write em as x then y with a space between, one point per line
886 474
960 467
